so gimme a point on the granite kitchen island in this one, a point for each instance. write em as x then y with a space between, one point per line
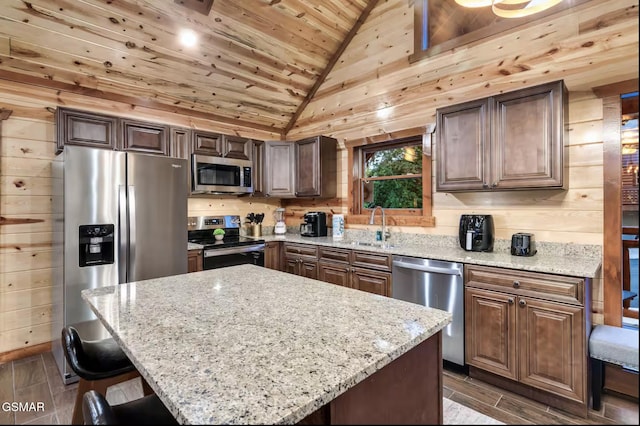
250 345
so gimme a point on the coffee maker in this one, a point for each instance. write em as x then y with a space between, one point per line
476 232
315 225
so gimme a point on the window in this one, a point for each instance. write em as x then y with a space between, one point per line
395 175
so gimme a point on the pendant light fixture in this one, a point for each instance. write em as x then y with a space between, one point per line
511 8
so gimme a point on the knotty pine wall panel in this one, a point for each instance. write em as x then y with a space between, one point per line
27 149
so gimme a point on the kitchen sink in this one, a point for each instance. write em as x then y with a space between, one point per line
380 244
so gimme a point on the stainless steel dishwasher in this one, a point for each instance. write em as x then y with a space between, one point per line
436 284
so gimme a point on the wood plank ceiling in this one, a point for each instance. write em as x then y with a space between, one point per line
256 63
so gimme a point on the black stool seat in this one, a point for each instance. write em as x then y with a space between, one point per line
148 410
94 360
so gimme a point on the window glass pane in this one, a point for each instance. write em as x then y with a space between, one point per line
393 162
393 193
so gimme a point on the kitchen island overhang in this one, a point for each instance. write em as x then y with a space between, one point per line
245 344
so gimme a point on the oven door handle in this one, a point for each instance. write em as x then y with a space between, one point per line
233 250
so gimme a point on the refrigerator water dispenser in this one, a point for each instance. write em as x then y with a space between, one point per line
96 244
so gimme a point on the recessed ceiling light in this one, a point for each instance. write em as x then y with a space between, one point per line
188 38
384 112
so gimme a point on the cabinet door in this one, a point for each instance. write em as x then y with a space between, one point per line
462 146
334 273
147 138
194 261
280 169
82 128
308 170
308 269
528 128
272 255
550 345
258 155
206 143
179 141
490 331
291 265
236 147
371 281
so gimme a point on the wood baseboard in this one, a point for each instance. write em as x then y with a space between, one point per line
25 352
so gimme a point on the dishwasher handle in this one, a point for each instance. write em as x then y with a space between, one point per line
423 268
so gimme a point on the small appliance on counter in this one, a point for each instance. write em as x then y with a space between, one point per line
280 228
523 244
315 225
476 232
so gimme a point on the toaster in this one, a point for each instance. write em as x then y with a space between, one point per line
523 244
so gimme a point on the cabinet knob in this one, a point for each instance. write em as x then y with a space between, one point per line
516 284
485 185
522 302
510 300
494 184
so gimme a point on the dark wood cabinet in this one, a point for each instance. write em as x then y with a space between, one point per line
273 255
530 328
206 143
258 157
179 142
509 141
194 261
316 167
370 272
279 169
237 147
301 259
140 136
85 128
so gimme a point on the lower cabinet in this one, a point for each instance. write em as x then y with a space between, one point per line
372 273
530 328
194 261
272 255
301 259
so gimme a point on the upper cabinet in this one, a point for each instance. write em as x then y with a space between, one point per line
510 141
206 143
279 169
316 167
218 145
148 138
306 168
84 128
258 156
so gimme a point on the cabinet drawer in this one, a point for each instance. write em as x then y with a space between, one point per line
333 255
301 251
366 259
531 284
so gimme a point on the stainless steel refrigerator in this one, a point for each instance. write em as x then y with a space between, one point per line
118 217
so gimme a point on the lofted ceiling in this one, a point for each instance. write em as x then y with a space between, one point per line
256 63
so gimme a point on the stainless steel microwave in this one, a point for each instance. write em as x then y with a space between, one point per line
219 175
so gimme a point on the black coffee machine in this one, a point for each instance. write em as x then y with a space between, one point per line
476 232
315 225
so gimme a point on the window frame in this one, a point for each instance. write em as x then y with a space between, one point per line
399 217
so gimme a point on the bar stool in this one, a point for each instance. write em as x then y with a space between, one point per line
99 364
148 410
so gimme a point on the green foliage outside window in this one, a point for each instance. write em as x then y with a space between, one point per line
403 188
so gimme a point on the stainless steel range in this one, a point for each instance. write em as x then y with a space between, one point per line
233 249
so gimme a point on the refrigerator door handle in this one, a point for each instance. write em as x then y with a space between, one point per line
123 234
131 261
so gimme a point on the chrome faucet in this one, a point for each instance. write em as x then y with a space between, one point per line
383 228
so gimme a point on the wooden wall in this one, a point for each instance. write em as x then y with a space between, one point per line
27 149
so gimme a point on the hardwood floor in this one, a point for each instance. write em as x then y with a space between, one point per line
36 379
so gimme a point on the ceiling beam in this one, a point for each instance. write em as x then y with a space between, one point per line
132 100
332 62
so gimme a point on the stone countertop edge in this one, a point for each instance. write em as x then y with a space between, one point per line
582 267
135 333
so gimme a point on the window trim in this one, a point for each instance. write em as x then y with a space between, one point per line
398 217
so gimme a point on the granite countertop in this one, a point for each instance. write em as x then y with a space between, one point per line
571 265
250 345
